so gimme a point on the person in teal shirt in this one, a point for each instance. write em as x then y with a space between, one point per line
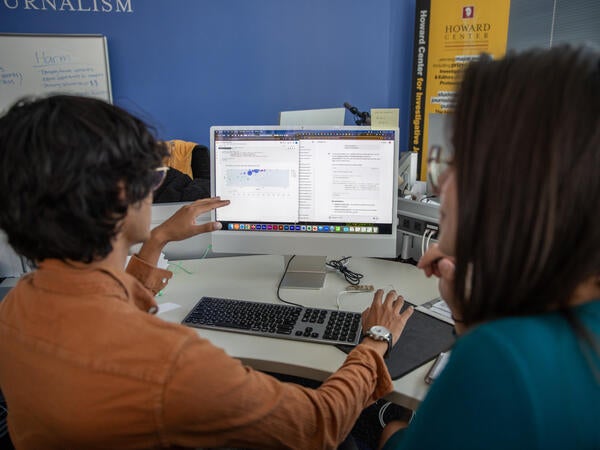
518 259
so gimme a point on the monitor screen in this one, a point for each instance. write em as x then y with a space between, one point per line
305 190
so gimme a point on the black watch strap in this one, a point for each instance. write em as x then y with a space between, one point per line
389 343
388 352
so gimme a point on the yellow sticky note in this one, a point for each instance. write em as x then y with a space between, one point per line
385 118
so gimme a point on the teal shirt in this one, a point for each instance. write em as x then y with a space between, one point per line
517 383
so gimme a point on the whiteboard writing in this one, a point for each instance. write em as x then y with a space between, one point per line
10 78
85 80
42 59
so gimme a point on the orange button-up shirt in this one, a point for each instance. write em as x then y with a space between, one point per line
84 365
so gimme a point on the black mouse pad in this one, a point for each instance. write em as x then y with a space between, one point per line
423 338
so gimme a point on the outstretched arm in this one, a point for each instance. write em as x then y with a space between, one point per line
180 226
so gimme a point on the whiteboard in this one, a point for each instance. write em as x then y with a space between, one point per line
39 64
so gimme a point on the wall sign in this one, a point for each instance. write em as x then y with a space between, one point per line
79 6
448 35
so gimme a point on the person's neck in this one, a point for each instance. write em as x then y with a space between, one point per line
117 257
115 260
586 291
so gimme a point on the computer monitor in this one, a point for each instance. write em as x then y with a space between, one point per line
305 191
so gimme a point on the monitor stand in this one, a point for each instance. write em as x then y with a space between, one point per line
304 272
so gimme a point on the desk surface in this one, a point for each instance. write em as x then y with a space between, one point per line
256 278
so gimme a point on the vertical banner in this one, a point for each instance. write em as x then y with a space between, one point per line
448 35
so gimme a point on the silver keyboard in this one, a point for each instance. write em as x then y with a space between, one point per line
325 326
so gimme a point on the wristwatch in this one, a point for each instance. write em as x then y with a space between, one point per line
381 333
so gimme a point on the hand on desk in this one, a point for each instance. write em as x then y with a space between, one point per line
386 312
180 226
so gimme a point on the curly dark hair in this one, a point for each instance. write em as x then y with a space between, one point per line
526 134
71 166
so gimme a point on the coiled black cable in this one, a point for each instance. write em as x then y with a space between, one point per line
340 265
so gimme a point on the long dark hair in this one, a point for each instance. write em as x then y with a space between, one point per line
526 137
66 162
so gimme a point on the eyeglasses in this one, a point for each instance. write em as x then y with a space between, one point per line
159 175
439 160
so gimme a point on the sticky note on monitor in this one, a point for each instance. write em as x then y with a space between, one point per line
384 118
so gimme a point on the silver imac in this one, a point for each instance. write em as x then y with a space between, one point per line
307 191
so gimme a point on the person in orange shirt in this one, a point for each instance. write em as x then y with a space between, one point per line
85 363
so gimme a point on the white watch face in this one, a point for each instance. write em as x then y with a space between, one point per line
380 332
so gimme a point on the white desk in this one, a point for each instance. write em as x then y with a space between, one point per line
256 278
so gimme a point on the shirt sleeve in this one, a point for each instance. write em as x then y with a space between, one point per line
212 400
480 393
150 276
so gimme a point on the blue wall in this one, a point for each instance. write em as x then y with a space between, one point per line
184 65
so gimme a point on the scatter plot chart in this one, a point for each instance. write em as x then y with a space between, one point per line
252 177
